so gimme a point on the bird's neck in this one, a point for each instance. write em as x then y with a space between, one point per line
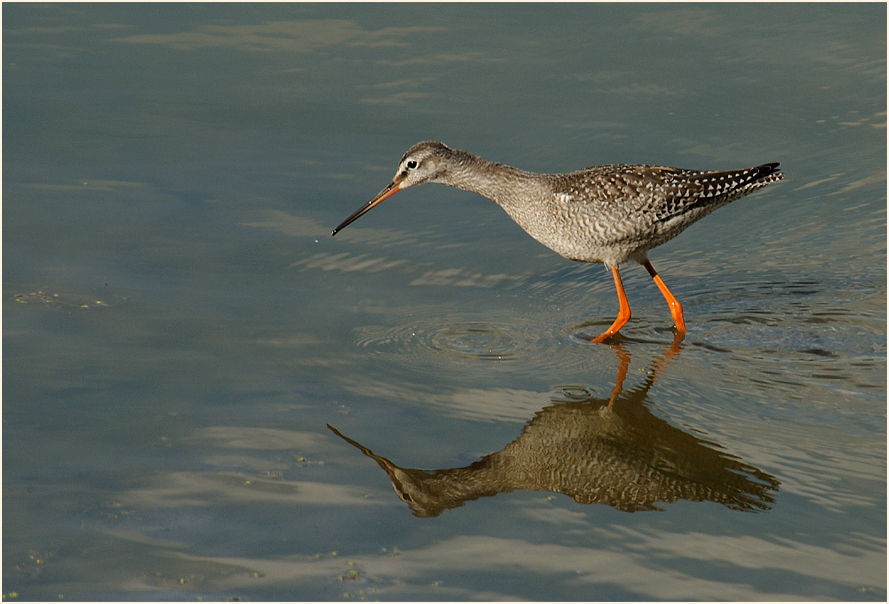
507 186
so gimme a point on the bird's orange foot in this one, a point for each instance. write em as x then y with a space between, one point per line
608 334
678 336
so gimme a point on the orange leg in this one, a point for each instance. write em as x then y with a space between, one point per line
675 306
624 314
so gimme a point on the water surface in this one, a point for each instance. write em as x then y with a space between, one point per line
180 328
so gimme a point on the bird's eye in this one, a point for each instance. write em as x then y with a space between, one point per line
411 165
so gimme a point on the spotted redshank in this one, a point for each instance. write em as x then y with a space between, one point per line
608 214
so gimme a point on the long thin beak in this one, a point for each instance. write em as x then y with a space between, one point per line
384 463
393 188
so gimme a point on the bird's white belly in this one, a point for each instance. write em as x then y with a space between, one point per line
577 236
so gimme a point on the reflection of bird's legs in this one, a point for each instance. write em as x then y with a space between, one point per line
657 365
624 358
669 355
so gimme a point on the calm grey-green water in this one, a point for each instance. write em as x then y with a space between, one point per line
179 328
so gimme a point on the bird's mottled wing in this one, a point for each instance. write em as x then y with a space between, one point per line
683 191
646 195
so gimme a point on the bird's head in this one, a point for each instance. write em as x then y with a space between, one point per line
424 162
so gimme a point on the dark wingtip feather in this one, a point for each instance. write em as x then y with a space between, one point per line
772 169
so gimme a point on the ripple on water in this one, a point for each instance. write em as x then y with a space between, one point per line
524 343
465 340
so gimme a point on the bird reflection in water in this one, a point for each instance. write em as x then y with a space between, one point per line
612 451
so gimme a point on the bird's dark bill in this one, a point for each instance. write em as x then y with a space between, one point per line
389 191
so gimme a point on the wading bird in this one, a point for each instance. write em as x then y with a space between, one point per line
607 214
